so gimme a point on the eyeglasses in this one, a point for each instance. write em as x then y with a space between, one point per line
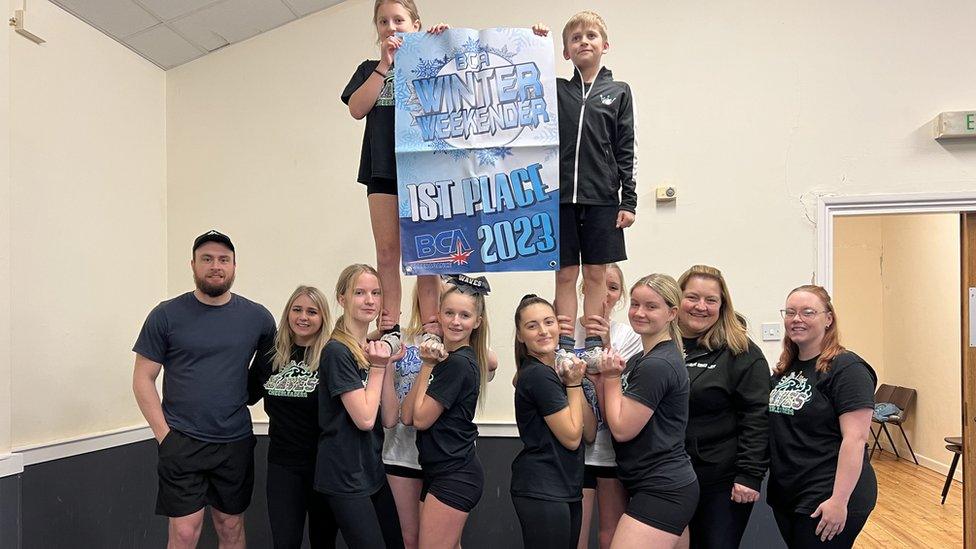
807 314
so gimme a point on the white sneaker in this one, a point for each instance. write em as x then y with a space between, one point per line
592 359
564 360
393 340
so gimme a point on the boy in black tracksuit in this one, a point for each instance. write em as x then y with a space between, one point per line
597 179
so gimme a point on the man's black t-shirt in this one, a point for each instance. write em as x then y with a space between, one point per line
544 469
804 433
205 351
377 159
291 399
449 443
349 461
655 459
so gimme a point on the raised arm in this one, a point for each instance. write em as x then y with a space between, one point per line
625 417
567 424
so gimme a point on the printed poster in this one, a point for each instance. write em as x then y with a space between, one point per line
477 149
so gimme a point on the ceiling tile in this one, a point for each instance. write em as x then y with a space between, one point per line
168 9
232 21
163 46
305 7
117 18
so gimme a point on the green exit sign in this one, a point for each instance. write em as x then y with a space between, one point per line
955 124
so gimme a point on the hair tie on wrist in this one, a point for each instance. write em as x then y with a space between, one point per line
377 71
574 386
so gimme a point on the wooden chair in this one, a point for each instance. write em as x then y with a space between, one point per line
903 398
954 445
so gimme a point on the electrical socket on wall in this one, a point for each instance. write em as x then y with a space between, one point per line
772 331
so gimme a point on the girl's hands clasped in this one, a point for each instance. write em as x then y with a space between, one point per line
432 351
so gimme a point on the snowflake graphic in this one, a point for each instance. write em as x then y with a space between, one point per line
488 157
429 68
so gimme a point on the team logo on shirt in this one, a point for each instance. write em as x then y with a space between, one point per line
790 394
385 98
607 100
704 365
623 381
294 380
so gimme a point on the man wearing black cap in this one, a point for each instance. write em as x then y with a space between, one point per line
203 341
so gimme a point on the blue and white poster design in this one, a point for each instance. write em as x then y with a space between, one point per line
477 149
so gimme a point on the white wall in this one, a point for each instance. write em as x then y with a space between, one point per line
87 225
5 293
896 289
750 109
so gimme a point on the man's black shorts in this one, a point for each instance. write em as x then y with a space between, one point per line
589 235
194 474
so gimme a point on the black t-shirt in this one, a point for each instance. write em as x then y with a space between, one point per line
804 433
349 460
205 351
291 399
378 156
655 459
449 443
544 469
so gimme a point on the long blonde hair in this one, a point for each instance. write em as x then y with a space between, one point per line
479 338
831 340
729 329
666 287
344 288
285 339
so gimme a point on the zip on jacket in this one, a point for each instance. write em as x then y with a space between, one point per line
598 160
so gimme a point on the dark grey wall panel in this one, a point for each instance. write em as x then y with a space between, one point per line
10 515
107 498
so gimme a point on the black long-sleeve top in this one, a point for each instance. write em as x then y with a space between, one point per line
727 437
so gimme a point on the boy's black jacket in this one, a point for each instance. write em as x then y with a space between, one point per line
727 426
605 174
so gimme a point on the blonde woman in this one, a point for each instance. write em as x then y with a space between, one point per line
288 381
645 404
349 464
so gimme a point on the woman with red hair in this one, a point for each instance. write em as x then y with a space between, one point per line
821 485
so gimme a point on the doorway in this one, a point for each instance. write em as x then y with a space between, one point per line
897 268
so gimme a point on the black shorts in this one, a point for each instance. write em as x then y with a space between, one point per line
381 185
194 474
589 235
401 471
460 488
593 472
667 510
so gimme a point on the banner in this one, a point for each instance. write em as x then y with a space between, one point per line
477 149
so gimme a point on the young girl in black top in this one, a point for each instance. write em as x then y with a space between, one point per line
727 429
646 407
547 475
821 485
288 380
349 465
442 404
370 94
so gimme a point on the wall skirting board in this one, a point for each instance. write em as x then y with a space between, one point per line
22 456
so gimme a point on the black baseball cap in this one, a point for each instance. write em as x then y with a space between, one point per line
213 236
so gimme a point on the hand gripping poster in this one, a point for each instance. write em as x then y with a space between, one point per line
477 149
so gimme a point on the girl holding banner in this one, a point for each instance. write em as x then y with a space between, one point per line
441 405
369 95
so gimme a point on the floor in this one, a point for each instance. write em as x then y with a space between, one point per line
908 513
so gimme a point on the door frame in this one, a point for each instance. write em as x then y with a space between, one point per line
829 207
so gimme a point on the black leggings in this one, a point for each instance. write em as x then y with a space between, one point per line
368 522
549 524
290 499
798 531
718 522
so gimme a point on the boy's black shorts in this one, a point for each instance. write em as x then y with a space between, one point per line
589 234
194 474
